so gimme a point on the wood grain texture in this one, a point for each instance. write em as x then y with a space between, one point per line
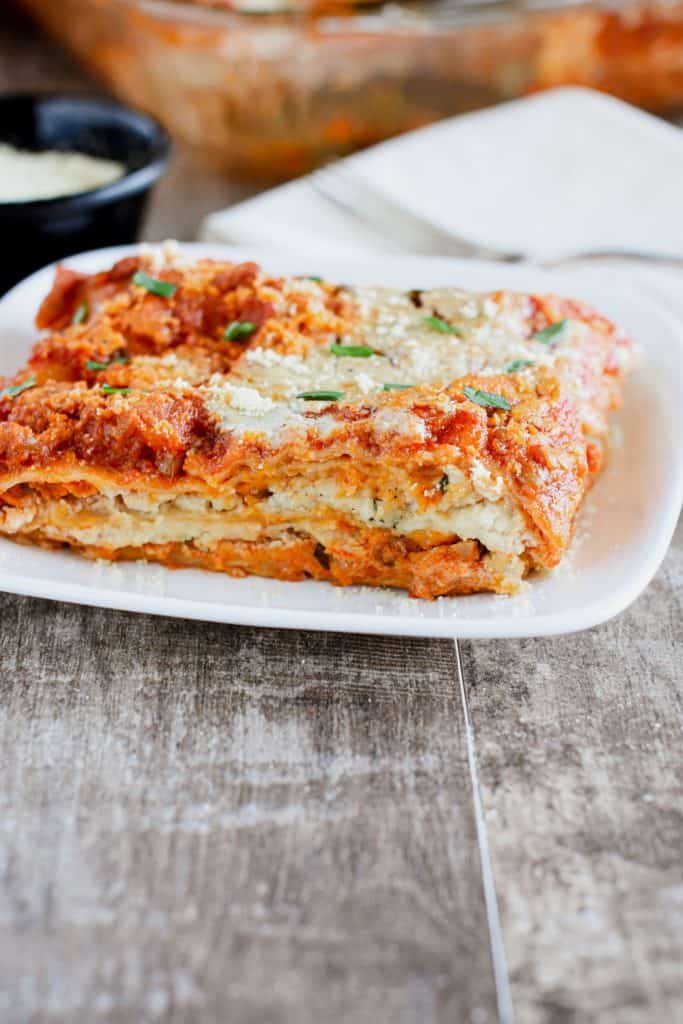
218 824
580 745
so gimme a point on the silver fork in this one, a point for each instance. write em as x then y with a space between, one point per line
392 222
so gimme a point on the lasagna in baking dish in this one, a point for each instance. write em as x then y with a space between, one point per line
211 415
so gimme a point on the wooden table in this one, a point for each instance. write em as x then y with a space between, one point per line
204 823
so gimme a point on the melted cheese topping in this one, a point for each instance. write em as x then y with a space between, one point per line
261 396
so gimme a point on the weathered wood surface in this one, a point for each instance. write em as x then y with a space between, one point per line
234 824
580 743
200 823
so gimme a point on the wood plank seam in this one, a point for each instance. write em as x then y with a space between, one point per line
498 958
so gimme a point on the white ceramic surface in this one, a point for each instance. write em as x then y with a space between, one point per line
624 530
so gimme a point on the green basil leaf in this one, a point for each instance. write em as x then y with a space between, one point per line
16 389
442 326
321 396
80 314
518 364
488 399
91 364
356 351
163 288
550 334
238 329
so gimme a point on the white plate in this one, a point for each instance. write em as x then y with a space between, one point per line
624 531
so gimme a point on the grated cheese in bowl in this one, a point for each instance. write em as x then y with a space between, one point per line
26 175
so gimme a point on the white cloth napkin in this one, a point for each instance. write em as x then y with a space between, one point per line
565 171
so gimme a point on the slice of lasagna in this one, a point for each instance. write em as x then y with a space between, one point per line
208 414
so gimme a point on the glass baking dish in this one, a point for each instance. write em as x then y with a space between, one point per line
268 93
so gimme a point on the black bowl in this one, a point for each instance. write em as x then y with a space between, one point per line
39 231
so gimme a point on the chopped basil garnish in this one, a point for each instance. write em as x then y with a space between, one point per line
314 277
117 360
163 288
321 396
443 483
357 351
437 324
109 390
397 387
518 364
488 399
80 314
551 333
238 329
15 389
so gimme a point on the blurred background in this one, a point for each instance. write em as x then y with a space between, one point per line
258 91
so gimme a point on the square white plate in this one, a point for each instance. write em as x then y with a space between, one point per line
625 526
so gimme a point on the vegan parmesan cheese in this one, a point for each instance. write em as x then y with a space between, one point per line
25 175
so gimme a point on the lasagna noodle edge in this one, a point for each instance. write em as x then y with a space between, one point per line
167 526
